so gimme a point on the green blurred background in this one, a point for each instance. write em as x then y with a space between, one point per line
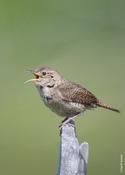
85 41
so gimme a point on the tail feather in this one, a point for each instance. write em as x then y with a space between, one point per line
100 104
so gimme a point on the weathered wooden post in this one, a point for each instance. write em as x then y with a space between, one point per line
73 157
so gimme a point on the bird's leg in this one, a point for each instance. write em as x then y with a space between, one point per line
60 126
67 120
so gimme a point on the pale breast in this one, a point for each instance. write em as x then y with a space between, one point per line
57 105
64 109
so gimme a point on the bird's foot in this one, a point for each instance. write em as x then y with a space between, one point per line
69 120
66 121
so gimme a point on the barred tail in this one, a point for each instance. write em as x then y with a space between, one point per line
100 104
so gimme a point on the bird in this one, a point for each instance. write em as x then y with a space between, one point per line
65 98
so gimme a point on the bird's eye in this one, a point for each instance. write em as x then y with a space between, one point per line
43 73
51 76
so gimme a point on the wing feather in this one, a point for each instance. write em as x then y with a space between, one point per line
72 92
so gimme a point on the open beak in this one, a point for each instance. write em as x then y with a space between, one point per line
37 76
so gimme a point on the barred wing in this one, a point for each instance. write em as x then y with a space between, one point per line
72 92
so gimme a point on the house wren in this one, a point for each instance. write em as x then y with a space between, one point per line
65 98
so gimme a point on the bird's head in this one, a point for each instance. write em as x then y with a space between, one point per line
45 76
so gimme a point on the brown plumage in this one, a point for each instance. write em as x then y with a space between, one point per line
101 104
72 92
64 97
